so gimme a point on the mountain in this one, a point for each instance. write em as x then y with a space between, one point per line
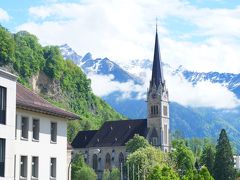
229 80
99 66
191 121
61 82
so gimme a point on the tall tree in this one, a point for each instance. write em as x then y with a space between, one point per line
183 157
224 163
207 157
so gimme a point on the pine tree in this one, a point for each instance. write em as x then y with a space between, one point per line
224 164
207 157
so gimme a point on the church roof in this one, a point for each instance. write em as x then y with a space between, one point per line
82 139
112 133
117 133
157 72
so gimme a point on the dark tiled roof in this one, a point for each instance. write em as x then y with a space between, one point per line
117 133
157 73
28 100
83 138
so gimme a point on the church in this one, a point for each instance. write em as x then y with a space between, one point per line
105 148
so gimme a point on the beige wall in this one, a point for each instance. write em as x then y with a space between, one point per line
102 155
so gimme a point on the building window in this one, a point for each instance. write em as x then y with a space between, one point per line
53 168
154 110
121 159
25 127
23 167
154 141
35 167
35 129
95 162
2 157
108 161
165 111
165 134
53 132
3 100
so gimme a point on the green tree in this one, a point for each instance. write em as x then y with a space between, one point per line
28 54
183 157
114 174
86 173
224 163
165 173
136 143
205 174
207 158
141 161
77 164
54 62
106 174
6 46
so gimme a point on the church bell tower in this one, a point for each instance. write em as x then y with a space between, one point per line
158 105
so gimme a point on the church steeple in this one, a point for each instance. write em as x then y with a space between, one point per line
157 74
158 104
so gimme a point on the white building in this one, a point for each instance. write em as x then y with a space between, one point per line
236 162
33 141
7 124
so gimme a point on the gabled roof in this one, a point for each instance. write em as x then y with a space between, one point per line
157 72
28 100
117 133
82 139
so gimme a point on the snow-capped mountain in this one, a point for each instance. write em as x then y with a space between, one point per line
69 53
229 80
191 121
102 66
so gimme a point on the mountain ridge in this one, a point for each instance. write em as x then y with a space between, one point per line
191 121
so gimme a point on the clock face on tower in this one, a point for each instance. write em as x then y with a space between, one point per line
154 95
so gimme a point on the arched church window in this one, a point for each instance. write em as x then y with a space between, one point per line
121 159
95 162
108 161
154 141
156 107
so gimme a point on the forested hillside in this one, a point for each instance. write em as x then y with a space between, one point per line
61 82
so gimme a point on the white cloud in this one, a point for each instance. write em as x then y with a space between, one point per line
123 30
203 94
4 15
104 85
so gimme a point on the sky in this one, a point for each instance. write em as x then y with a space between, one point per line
200 35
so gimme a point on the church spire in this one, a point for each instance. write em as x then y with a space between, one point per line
157 74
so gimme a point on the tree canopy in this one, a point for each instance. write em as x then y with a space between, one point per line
136 143
224 163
